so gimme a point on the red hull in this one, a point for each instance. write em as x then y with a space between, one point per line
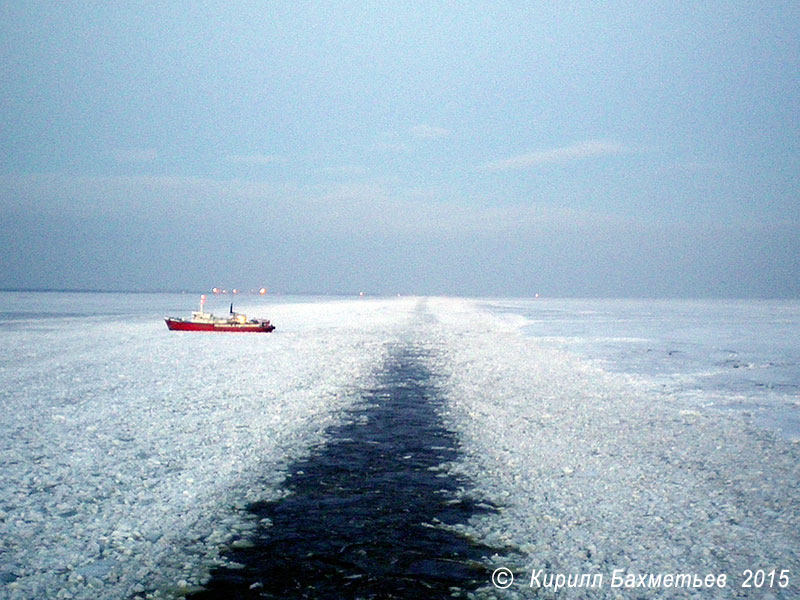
180 325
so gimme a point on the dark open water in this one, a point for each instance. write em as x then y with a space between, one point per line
360 519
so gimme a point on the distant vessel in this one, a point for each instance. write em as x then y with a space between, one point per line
203 321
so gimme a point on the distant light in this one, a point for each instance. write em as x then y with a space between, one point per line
235 291
360 293
262 291
215 290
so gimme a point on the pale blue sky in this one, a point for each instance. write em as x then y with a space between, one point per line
581 148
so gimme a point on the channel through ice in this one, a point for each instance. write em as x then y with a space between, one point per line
643 435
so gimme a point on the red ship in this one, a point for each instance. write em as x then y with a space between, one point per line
203 321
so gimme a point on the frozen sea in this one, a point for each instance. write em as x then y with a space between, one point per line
549 437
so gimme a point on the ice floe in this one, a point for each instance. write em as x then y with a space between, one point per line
594 471
128 452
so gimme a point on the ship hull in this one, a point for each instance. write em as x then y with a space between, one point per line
180 325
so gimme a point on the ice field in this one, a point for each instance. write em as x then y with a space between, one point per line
648 436
602 463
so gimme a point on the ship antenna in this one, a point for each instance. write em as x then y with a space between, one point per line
202 301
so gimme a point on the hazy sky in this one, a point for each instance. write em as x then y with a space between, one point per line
560 148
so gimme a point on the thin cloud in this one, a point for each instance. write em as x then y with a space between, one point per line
345 170
134 196
581 150
255 159
428 132
135 155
